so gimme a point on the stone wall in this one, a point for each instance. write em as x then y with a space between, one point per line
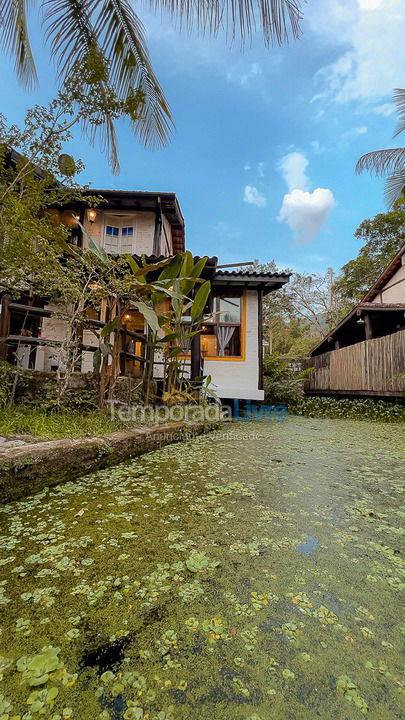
28 469
40 389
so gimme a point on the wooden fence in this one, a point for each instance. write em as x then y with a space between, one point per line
373 367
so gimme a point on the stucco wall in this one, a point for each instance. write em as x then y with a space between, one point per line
394 291
52 329
144 230
240 378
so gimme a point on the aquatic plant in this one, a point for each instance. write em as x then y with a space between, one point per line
99 568
37 668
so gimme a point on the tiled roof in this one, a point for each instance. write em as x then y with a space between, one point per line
252 273
385 276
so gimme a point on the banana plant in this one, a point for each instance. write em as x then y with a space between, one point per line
129 285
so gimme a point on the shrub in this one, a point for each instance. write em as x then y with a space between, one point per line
350 409
7 379
282 383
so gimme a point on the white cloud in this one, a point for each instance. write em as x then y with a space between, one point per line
386 109
253 196
373 33
305 212
293 168
317 148
247 166
244 77
355 132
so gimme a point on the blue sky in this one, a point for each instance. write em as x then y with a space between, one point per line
266 140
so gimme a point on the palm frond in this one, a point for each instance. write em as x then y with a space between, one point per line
382 162
399 100
394 187
14 29
238 18
123 42
70 31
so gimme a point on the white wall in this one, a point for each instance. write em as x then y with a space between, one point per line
52 329
240 378
394 290
144 230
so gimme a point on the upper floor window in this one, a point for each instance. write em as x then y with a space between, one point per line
119 237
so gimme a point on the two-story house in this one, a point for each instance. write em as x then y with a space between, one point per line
229 346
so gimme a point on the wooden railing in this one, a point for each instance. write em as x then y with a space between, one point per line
9 340
373 367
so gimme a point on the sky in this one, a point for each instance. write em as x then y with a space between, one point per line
266 141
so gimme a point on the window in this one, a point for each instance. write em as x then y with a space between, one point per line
221 328
119 237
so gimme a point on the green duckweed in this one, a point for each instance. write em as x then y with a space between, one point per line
244 575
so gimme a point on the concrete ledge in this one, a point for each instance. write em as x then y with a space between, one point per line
28 469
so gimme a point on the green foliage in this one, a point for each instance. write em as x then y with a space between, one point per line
351 692
8 375
36 669
107 554
199 561
353 409
20 420
382 237
282 383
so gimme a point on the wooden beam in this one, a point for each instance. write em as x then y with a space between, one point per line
4 325
195 350
368 326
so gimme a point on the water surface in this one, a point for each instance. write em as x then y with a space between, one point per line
246 576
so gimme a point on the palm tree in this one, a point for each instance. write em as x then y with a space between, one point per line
73 28
389 162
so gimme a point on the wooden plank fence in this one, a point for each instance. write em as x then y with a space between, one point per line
372 367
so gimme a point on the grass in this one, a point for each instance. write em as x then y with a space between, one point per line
52 426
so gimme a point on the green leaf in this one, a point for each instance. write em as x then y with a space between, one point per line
111 326
145 269
199 267
200 300
93 246
149 315
187 265
172 269
132 263
168 338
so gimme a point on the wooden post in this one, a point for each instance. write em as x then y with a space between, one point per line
195 350
368 327
4 325
123 357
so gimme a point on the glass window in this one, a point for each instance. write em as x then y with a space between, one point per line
127 231
221 330
119 238
229 310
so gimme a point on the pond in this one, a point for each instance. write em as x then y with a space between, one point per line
248 574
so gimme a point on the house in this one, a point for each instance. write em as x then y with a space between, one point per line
365 353
148 224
